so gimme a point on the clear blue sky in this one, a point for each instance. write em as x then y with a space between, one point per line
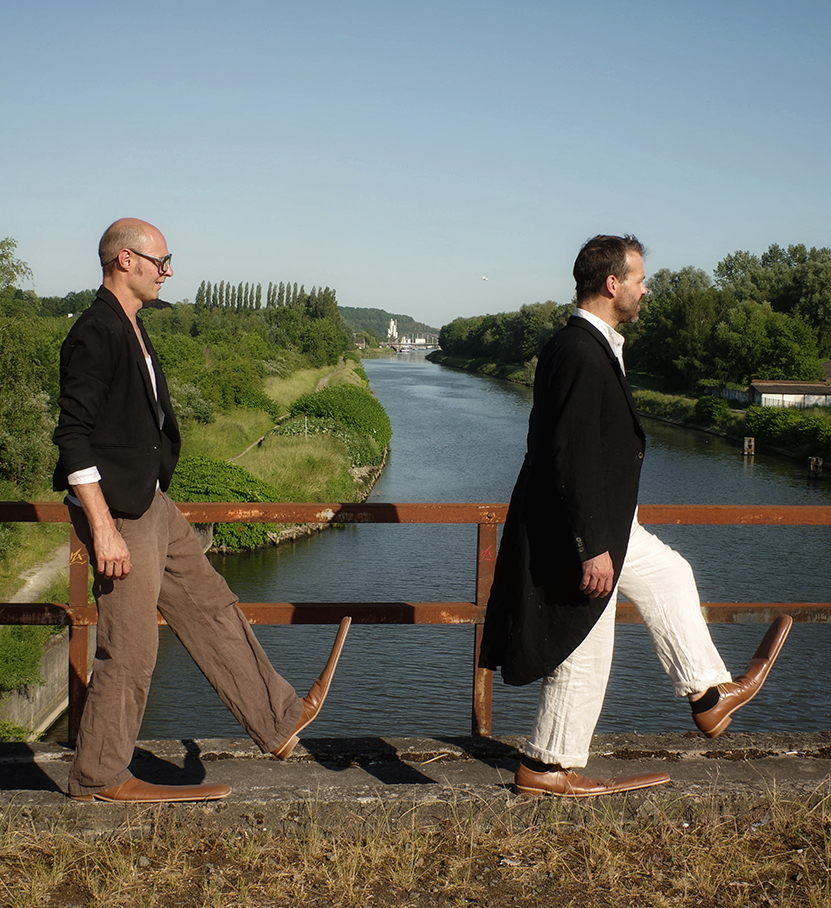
399 152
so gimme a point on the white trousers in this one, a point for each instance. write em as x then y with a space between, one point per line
661 586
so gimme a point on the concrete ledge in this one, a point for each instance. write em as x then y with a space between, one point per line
333 783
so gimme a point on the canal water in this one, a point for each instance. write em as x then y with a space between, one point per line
459 437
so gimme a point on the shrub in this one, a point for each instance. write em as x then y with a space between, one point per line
669 406
355 407
802 431
257 400
229 378
208 479
709 410
362 449
189 404
21 651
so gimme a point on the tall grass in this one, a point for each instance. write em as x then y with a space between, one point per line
665 852
286 390
227 436
303 469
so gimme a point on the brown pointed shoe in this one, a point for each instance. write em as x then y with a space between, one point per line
313 701
734 694
567 784
138 792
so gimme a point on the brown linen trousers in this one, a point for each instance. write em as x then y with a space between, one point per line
169 573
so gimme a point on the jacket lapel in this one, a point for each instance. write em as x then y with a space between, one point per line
586 325
112 301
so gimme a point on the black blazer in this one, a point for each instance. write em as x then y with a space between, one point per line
575 498
109 417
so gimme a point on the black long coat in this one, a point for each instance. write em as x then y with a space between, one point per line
575 498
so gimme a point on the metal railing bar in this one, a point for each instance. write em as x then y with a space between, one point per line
285 613
79 615
483 514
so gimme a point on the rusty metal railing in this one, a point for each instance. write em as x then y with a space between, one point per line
78 614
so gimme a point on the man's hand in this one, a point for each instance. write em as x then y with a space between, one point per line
598 575
112 557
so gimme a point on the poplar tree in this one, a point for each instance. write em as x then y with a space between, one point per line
281 295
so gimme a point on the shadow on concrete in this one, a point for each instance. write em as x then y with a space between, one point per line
374 755
149 767
18 769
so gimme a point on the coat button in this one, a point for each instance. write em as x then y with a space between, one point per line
640 455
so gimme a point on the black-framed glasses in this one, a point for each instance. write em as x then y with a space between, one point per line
161 263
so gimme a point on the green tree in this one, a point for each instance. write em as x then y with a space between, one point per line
754 341
12 269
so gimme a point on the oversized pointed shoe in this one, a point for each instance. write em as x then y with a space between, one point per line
567 784
137 792
734 694
313 701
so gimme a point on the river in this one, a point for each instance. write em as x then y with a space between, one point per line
461 437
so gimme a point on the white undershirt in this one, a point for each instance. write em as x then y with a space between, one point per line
615 338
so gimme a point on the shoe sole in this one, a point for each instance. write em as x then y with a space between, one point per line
326 682
167 794
763 651
148 800
542 792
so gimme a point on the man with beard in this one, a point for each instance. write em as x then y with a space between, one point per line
572 541
119 443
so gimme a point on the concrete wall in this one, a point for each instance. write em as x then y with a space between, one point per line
37 706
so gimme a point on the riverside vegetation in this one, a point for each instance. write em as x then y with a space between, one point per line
273 405
762 317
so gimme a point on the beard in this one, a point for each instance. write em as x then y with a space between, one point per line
628 310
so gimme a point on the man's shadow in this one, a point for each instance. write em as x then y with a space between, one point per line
149 767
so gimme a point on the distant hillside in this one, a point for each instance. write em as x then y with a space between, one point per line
378 320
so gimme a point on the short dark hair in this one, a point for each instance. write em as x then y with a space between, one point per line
600 257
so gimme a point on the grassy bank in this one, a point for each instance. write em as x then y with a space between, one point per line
522 373
682 852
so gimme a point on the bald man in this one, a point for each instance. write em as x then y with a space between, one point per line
119 443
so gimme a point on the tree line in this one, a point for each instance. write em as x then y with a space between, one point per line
319 302
757 317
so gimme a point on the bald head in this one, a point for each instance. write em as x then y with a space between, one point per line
125 233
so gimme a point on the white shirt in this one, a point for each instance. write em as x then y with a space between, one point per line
615 338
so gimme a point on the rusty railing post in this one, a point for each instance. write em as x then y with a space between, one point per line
483 677
78 636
